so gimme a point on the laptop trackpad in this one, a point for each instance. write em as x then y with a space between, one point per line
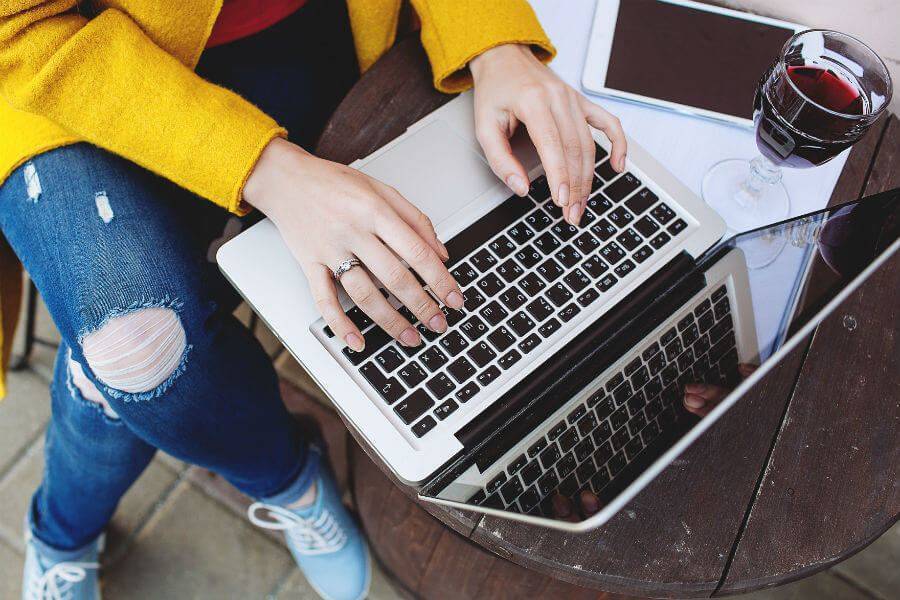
435 169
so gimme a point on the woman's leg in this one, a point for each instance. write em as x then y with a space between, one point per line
115 255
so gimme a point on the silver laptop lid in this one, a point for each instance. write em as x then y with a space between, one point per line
614 417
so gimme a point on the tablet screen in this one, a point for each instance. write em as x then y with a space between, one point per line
691 57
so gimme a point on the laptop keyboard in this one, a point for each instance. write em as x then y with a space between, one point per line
600 436
525 274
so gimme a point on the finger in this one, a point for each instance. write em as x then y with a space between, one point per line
572 151
416 219
697 405
385 265
410 246
494 140
590 503
746 370
562 508
609 124
588 151
707 390
544 133
321 284
368 298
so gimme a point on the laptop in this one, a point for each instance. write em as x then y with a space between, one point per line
568 334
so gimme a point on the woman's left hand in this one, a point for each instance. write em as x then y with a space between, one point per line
512 86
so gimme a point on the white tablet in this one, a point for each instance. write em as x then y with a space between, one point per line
682 55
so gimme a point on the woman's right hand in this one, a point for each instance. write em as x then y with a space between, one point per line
326 213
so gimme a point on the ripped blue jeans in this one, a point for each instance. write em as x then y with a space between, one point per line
151 355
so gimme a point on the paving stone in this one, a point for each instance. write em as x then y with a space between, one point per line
18 486
23 414
10 572
296 588
195 548
823 586
290 370
877 568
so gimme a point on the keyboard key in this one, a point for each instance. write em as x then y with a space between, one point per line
467 392
412 374
586 242
557 430
577 280
660 240
548 483
521 323
620 217
663 213
540 309
576 414
549 456
490 285
495 483
511 490
528 256
603 229
539 220
569 312
443 411
453 316
547 243
389 359
529 499
613 253
624 268
440 385
596 183
473 328
327 331
566 464
529 343
550 270
482 354
588 297
453 343
509 270
532 470
549 328
502 246
599 204
531 284
372 374
423 426
359 318
633 366
558 294
564 231
433 359
501 338
720 293
606 171
599 152
621 187
685 322
493 313
509 359
483 260
461 369
488 375
629 239
594 266
473 298
646 226
606 282
516 464
641 201
464 274
375 339
485 228
583 449
520 233
414 406
512 298
677 227
568 256
539 188
642 254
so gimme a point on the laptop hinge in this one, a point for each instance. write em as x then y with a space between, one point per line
537 396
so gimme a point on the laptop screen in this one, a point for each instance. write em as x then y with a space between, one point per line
632 395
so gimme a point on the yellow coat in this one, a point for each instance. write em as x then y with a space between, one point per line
123 80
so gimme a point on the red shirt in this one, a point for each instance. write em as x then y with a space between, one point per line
241 18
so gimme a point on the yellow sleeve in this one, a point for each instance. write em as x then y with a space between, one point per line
109 84
456 31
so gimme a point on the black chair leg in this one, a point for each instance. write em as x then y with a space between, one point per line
24 359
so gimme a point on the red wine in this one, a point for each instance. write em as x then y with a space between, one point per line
791 127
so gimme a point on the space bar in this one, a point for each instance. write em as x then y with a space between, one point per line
487 227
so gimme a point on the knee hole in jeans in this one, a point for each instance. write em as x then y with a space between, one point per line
137 352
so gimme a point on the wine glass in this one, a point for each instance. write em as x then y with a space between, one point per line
821 95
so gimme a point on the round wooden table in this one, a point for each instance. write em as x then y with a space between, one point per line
798 476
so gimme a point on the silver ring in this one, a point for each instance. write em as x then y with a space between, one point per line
345 266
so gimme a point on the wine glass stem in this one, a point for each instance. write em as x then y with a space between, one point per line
763 173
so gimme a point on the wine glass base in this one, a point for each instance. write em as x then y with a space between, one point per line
722 190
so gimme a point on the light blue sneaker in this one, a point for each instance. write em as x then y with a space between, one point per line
325 541
55 575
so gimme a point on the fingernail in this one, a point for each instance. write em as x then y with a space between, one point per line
438 323
589 502
563 194
354 341
444 248
409 337
575 213
517 185
561 506
697 388
622 164
455 300
694 401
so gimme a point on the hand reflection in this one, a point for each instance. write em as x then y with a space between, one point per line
567 509
701 398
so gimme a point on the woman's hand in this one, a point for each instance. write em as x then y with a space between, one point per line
513 86
327 213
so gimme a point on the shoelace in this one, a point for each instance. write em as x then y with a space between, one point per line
47 586
322 535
